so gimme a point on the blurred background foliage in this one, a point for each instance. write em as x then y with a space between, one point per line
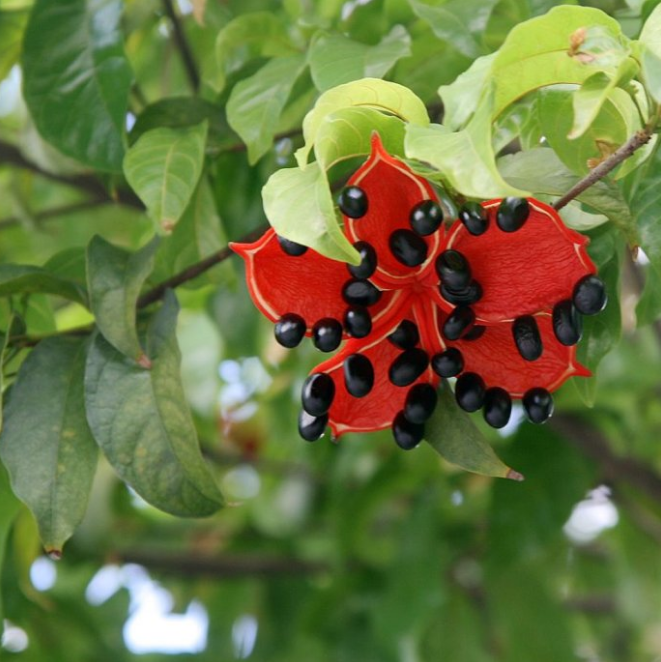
338 552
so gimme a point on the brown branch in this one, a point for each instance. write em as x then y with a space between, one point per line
183 46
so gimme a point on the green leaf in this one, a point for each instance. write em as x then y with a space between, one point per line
46 443
12 26
115 278
26 279
15 327
335 59
535 54
299 206
257 34
368 92
11 506
465 158
163 168
256 103
142 423
453 435
348 132
458 22
77 78
541 171
650 38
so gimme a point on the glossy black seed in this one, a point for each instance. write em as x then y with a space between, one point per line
291 247
408 366
358 292
459 322
527 338
405 336
448 363
367 264
512 214
357 321
475 333
567 323
538 404
471 294
426 217
474 218
408 248
420 403
407 435
310 427
318 393
469 391
453 270
289 330
327 334
590 295
497 407
352 202
358 375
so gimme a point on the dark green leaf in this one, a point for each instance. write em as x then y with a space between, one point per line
77 78
10 508
25 279
115 278
46 443
142 423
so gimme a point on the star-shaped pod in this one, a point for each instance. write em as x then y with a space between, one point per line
495 300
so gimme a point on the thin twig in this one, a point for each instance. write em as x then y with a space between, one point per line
184 47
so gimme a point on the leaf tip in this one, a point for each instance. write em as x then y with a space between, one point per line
144 361
54 553
168 225
514 475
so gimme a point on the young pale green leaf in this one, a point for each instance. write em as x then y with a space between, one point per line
77 78
348 132
299 206
457 22
163 168
368 92
142 423
650 39
536 53
465 158
115 278
26 279
335 59
46 443
257 34
256 103
12 27
453 435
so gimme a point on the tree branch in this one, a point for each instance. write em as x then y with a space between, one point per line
184 47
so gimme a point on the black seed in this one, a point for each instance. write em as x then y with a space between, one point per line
327 334
475 333
459 322
291 247
357 321
469 391
408 248
590 295
367 264
360 293
512 214
527 338
538 404
453 270
318 393
408 366
358 375
469 295
448 363
352 202
407 435
567 323
405 336
497 407
474 218
310 427
426 217
420 403
289 330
